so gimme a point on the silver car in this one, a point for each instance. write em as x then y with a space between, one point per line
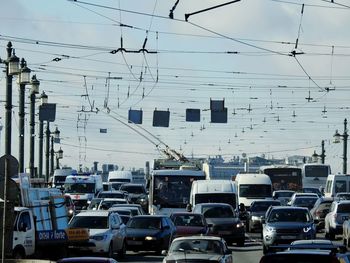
338 213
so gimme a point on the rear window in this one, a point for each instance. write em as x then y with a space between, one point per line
298 258
145 223
217 212
343 208
91 222
283 194
263 206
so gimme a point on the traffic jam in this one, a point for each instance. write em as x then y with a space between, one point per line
193 219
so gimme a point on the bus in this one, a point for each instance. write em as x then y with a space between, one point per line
169 189
284 177
315 174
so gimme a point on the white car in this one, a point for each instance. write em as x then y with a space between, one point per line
106 232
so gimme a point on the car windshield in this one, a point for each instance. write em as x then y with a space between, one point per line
262 206
344 208
227 198
111 195
145 223
305 202
283 194
187 220
133 189
197 246
91 222
252 190
217 212
289 215
79 188
107 204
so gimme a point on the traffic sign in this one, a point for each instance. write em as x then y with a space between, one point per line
13 193
12 165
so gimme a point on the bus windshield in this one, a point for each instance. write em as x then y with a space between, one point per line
172 191
79 188
285 178
316 170
255 190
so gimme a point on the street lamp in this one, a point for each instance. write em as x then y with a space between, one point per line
337 138
315 157
59 155
56 136
23 80
34 90
44 99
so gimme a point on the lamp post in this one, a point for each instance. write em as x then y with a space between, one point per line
12 68
44 99
35 90
23 80
59 155
56 134
316 156
344 136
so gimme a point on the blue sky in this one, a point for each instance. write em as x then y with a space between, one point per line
238 53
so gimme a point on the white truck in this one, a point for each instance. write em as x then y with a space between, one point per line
252 187
40 226
120 176
82 188
214 191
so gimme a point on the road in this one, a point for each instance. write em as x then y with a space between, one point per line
250 253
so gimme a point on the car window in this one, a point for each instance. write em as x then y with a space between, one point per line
198 246
343 208
217 212
288 215
145 223
340 186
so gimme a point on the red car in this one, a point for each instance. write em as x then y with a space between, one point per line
188 224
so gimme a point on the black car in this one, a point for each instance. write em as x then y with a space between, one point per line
320 210
256 213
137 194
223 221
149 233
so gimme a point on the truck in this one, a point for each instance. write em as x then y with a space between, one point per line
40 226
82 187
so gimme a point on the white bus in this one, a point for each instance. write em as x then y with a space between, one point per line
315 174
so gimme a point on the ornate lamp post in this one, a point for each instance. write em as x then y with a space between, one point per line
316 156
59 155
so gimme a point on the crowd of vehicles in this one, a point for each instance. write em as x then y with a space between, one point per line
181 211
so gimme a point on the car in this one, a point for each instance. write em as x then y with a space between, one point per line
189 224
285 224
112 194
87 260
301 255
257 212
107 233
312 190
107 203
150 233
137 194
320 210
198 249
338 213
283 196
342 196
134 208
300 194
223 220
304 201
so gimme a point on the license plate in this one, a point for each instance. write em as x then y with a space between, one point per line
137 243
224 232
287 237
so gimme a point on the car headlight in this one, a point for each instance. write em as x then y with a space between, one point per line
150 238
70 212
238 225
256 218
99 237
307 229
270 229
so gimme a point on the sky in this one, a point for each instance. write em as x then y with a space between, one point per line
241 53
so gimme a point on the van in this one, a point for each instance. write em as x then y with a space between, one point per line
253 187
213 191
120 176
337 183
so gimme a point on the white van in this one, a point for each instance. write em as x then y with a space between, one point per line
213 191
253 187
120 176
337 183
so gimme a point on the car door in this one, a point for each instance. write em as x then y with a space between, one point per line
118 232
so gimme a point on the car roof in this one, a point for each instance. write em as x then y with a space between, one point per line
288 208
284 191
133 184
93 213
213 204
111 192
86 259
150 216
198 237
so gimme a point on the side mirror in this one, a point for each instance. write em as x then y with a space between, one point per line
164 252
